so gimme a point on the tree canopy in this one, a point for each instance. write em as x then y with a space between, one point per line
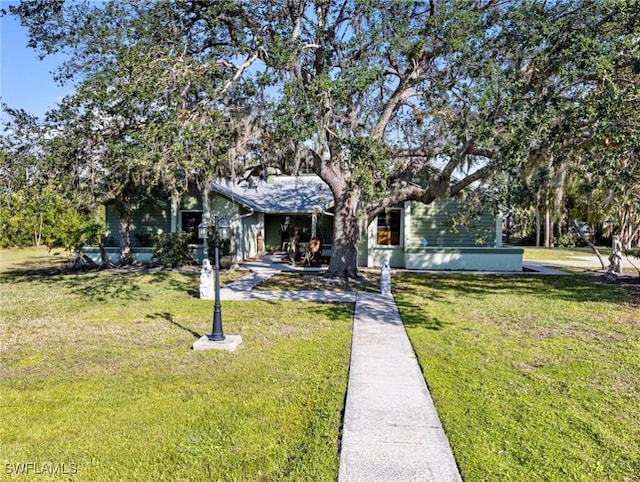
386 100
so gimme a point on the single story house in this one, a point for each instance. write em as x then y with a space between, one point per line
264 215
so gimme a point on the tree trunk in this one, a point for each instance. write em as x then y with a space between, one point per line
548 226
588 243
538 220
346 238
104 258
126 256
37 231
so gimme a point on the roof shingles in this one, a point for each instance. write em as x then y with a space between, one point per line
285 195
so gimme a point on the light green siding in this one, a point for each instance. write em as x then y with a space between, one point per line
147 219
438 224
191 201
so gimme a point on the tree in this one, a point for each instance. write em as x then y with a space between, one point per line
396 101
387 101
156 93
377 95
37 205
576 88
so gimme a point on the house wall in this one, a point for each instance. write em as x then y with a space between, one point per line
272 232
190 201
140 254
373 254
436 224
248 235
377 255
464 258
218 206
431 240
147 220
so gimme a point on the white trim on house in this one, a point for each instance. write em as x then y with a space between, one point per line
504 259
401 237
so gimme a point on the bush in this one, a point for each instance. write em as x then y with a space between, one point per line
567 239
634 252
172 249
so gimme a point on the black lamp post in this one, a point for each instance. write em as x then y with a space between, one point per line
221 234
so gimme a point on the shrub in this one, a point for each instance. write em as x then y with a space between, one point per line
567 239
172 249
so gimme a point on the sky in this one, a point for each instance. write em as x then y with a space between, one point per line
25 81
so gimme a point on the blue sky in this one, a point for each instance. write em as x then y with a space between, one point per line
25 81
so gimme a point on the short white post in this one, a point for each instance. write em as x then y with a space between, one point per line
385 279
206 280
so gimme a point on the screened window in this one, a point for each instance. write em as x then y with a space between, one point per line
189 221
389 225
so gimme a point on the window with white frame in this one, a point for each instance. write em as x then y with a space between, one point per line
389 228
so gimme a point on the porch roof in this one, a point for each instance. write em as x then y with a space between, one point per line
283 195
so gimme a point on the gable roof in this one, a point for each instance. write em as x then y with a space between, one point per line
282 195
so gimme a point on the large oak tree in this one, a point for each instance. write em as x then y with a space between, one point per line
387 101
414 100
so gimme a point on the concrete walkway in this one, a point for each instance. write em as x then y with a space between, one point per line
391 431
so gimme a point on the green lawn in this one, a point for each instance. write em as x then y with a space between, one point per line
533 253
98 378
534 378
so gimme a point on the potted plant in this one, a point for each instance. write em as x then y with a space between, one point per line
226 258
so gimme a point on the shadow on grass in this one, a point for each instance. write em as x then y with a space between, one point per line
169 317
287 281
414 315
416 290
106 284
329 310
575 288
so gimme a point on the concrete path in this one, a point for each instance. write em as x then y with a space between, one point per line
391 429
583 262
541 267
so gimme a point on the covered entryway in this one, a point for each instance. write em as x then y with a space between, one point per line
281 229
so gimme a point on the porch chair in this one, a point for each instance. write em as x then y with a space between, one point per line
314 252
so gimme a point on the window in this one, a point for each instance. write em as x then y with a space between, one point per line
189 221
389 228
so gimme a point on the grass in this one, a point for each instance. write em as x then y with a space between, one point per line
533 253
98 374
534 378
285 281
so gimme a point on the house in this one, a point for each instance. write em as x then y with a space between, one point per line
275 210
266 214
